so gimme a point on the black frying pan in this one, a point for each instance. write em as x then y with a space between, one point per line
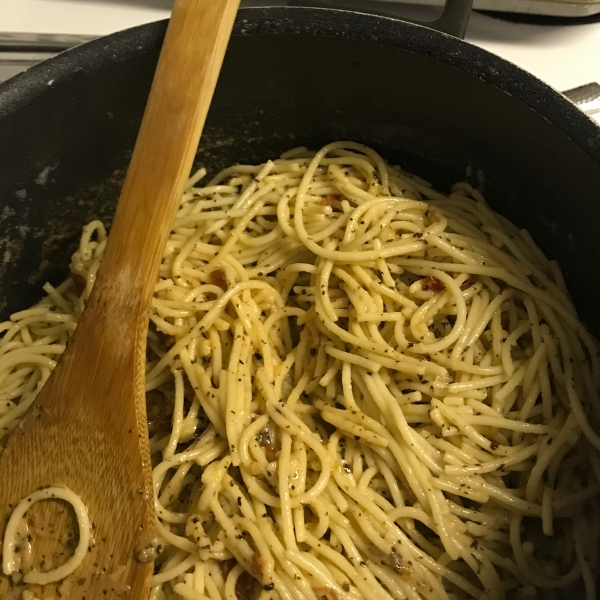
430 102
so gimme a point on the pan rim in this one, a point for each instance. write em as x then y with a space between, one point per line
389 32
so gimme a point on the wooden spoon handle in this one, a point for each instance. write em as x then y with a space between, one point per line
184 83
87 427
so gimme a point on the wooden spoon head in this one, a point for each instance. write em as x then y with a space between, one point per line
87 432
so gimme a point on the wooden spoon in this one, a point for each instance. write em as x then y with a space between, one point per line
87 428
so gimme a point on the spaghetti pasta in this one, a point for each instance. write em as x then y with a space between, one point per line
357 387
9 561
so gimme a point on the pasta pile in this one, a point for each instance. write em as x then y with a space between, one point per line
358 387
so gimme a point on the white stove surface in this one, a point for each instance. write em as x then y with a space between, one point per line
564 56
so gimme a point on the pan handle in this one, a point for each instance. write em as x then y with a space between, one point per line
453 20
586 97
